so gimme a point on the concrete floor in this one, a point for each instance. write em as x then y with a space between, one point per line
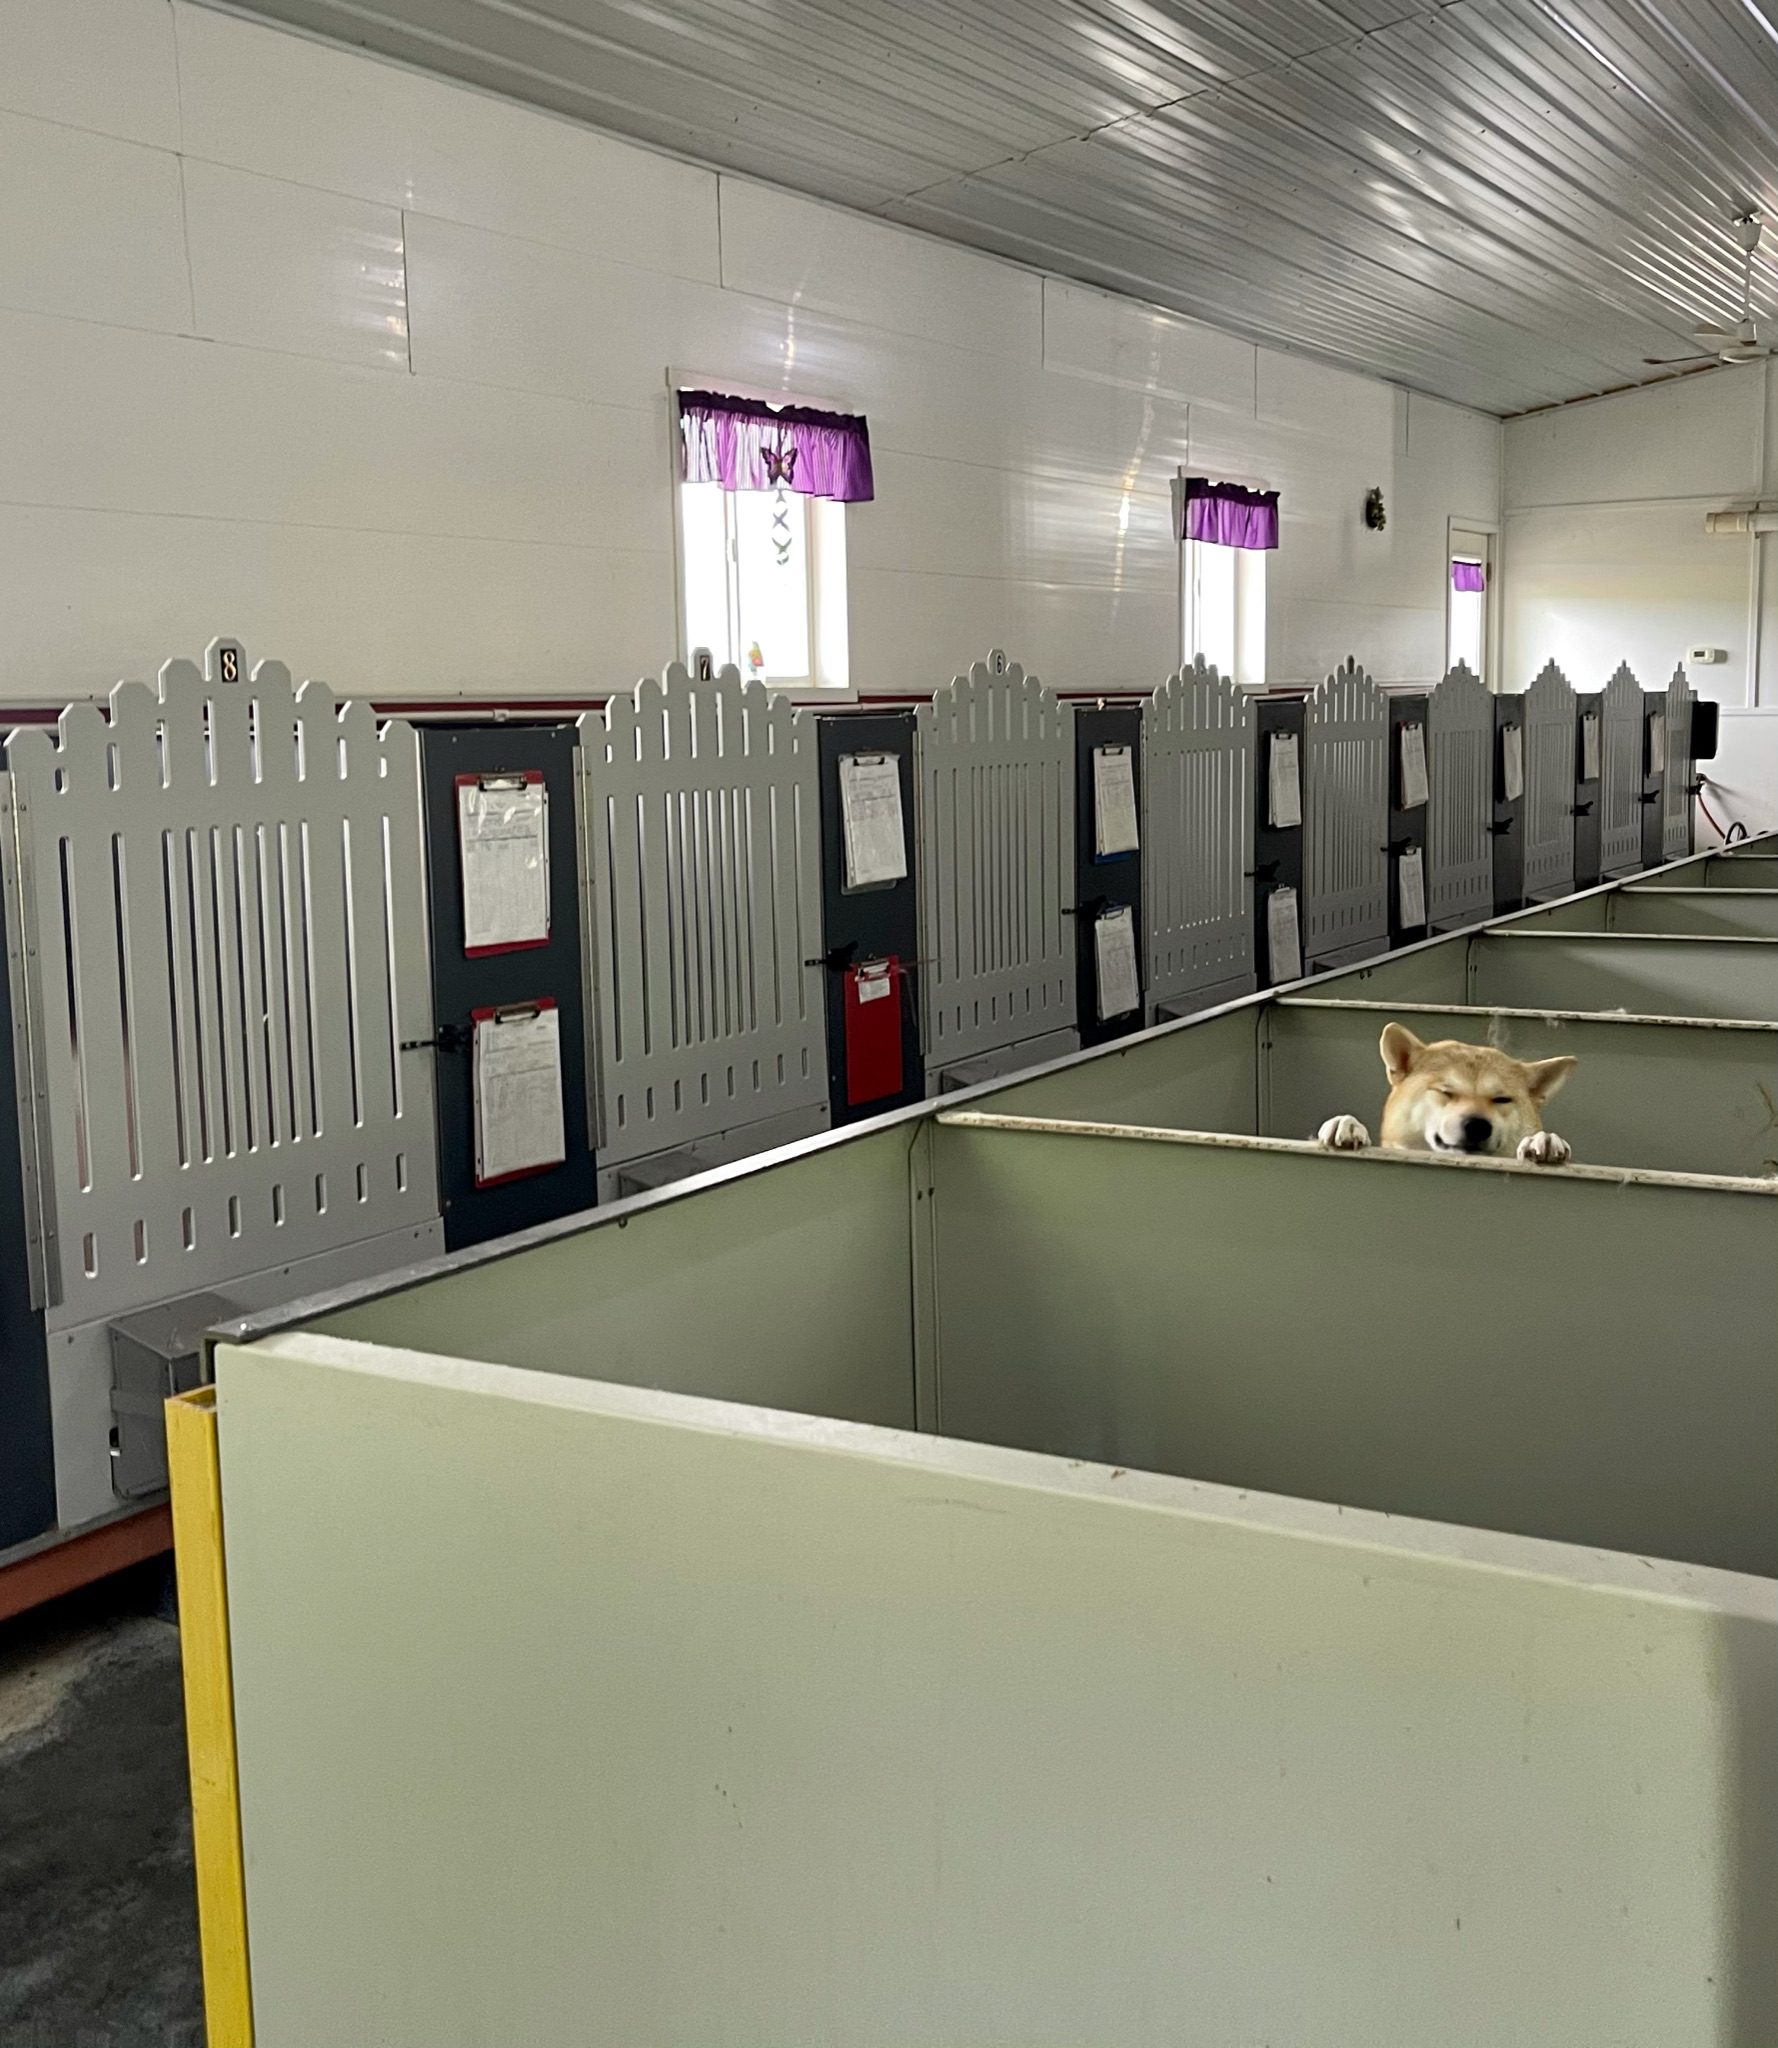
98 1925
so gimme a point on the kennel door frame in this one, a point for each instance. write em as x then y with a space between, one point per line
1346 868
227 1003
1197 778
995 769
701 834
1460 801
1551 727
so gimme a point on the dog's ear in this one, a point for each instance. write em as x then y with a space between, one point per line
1544 1077
1400 1049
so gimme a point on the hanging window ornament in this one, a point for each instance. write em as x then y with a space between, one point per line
781 468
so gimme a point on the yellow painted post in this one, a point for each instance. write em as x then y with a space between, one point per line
209 1716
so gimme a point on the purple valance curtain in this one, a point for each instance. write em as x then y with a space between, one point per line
1468 576
1230 515
743 444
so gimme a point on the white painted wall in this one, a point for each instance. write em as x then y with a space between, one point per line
372 371
1607 560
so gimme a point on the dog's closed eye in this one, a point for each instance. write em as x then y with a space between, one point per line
1499 1100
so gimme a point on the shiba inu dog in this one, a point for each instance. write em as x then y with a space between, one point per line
1451 1097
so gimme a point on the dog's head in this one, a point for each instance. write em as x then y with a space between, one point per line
1451 1097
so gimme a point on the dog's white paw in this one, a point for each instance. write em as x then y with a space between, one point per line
1343 1134
1544 1148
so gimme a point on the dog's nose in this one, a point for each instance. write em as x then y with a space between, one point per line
1477 1130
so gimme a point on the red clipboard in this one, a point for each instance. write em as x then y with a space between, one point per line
873 1030
477 1018
531 778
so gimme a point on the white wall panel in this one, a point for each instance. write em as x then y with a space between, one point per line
974 521
1693 437
266 101
101 64
1404 643
89 226
1097 335
498 309
1449 441
1746 770
803 254
92 596
1590 586
283 266
1330 403
97 417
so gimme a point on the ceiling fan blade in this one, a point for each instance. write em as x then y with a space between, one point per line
1674 362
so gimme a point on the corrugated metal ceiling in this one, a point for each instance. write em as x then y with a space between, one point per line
1505 202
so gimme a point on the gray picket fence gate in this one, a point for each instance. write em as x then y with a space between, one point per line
994 759
1620 790
1460 801
1676 790
1550 728
701 840
1345 820
217 887
1198 795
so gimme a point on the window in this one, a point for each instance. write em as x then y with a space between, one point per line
1225 608
762 566
1469 578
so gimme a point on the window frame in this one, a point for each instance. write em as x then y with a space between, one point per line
827 583
1476 540
1246 664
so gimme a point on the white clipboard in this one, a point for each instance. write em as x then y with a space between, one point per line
503 844
870 815
1114 957
1284 939
1115 829
516 1068
1284 780
1512 762
1589 747
1413 766
1410 889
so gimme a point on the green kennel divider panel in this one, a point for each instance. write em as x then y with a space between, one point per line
1724 871
1647 975
1196 1076
570 1713
1433 972
788 1288
1703 913
1670 1098
1577 1356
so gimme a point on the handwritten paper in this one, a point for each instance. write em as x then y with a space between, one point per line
503 837
1410 885
870 812
1115 828
1284 943
1114 949
1284 779
518 1092
1413 766
1512 763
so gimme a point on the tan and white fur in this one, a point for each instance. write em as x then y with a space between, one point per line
1449 1097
